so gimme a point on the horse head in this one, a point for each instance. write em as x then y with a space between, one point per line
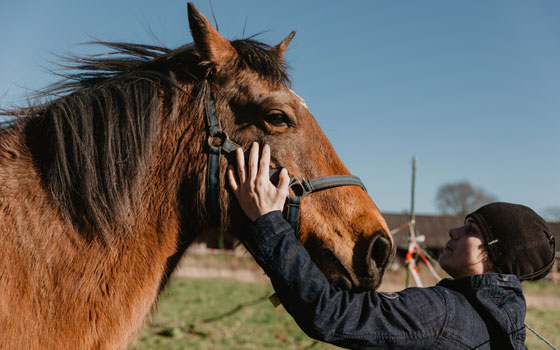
341 228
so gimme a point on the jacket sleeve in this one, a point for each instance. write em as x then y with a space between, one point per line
412 318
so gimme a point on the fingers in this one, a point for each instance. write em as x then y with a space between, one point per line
253 162
240 164
283 182
231 179
264 166
257 170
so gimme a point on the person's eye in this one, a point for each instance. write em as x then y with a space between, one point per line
472 231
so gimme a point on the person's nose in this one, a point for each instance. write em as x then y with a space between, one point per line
455 233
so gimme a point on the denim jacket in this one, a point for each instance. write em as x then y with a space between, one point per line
475 312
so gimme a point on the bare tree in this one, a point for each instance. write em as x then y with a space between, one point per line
461 198
551 214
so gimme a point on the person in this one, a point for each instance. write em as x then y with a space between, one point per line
480 307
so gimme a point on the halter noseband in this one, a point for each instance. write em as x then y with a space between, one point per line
219 143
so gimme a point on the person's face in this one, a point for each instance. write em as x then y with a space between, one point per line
464 253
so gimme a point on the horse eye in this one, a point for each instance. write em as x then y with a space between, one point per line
278 119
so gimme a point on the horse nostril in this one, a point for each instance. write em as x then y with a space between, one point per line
380 251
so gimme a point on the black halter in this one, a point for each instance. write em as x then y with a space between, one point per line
219 143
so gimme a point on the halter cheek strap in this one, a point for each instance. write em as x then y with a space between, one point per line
218 143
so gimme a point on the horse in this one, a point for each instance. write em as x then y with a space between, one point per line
103 185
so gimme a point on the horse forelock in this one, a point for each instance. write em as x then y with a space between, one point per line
95 132
261 59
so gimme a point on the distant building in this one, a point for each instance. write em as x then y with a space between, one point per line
435 229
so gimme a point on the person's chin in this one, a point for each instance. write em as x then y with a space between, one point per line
443 259
444 263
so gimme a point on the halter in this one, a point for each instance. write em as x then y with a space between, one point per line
219 143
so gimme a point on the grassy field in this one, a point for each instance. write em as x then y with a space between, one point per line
220 314
544 320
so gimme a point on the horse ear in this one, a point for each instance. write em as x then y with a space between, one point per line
281 48
210 44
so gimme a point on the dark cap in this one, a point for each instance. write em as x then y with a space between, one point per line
518 240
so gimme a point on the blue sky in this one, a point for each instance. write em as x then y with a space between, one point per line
470 87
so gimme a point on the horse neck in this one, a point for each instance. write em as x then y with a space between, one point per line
176 189
177 178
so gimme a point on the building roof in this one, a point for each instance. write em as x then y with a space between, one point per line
435 229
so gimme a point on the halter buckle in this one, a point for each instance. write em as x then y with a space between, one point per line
299 186
216 141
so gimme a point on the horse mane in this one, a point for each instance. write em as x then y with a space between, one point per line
93 134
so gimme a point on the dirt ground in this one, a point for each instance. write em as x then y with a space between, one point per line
244 269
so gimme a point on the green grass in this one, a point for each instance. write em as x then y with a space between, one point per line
219 315
227 315
546 322
541 287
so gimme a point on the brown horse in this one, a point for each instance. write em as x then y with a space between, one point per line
103 186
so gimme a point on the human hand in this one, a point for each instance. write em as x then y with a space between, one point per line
254 192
